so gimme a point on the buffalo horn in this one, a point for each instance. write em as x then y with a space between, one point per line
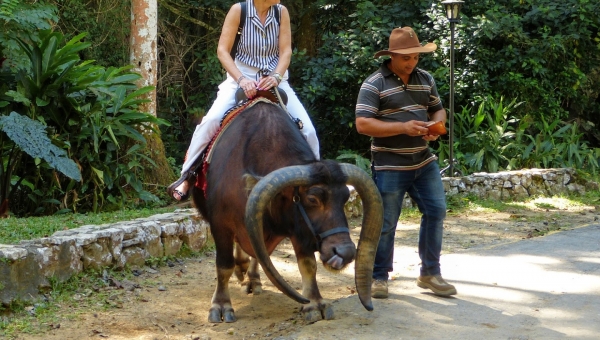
259 198
371 230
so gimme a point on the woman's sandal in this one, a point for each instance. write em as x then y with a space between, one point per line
172 191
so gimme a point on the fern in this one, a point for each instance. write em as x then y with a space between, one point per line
7 7
33 17
24 20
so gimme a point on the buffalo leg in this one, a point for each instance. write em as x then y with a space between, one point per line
316 309
242 262
244 265
221 309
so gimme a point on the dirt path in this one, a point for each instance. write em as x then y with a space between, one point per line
171 302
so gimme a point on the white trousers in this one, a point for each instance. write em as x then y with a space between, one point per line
226 99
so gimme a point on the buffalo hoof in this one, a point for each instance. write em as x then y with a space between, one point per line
327 313
218 315
252 287
312 316
316 313
256 289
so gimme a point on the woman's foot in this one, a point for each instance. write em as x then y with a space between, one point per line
179 190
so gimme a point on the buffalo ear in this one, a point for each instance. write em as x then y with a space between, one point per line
251 181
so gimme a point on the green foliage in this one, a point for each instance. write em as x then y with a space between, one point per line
492 140
21 19
89 111
190 70
528 51
7 7
107 24
39 85
159 261
328 84
486 140
30 136
543 52
184 252
356 159
558 144
186 110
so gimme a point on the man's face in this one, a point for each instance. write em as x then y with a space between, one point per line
404 64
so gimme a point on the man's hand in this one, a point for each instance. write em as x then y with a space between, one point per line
415 128
430 138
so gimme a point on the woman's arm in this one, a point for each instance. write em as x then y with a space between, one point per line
285 42
228 33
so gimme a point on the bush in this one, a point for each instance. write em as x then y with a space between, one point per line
90 114
328 84
489 138
543 53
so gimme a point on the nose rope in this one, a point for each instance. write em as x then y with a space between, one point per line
321 236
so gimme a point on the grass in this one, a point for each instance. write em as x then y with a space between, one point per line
13 230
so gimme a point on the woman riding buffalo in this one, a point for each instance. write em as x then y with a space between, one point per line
264 48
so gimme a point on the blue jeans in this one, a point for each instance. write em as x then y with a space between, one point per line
425 188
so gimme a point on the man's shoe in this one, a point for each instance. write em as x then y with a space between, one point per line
379 289
436 284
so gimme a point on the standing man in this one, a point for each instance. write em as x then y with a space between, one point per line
395 105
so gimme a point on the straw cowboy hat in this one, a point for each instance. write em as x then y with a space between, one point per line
405 41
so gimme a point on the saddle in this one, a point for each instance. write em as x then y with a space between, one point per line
240 96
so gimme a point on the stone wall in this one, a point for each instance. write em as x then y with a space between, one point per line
508 185
516 185
25 269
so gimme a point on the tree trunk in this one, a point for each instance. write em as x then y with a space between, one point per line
305 36
143 47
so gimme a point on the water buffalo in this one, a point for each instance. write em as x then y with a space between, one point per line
264 185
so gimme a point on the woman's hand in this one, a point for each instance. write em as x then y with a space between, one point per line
267 83
249 87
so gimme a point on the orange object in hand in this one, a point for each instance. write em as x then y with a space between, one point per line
436 128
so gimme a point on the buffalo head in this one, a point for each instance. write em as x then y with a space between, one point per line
320 197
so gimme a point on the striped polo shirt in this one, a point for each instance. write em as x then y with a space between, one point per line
259 45
383 95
